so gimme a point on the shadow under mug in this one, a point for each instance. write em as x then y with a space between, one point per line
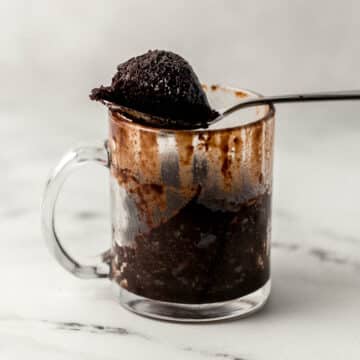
191 214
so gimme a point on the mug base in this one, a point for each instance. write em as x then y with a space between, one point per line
178 312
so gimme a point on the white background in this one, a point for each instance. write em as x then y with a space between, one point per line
53 52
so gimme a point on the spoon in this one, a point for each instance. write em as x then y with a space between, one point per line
158 121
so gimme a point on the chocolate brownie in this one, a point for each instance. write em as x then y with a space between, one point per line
159 83
200 255
191 218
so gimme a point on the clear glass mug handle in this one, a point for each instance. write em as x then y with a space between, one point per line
71 161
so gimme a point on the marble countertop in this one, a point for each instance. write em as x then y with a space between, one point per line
313 311
52 53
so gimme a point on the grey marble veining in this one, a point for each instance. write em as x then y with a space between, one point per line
52 54
45 312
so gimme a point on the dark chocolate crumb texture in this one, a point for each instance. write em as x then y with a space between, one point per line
159 83
192 228
200 255
191 209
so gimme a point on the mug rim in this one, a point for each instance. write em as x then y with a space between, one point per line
115 116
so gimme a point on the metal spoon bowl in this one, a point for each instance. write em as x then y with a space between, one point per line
159 122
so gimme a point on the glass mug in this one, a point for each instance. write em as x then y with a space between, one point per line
191 214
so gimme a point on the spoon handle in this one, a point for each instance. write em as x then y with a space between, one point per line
278 99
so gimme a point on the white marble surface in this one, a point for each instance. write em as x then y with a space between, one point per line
314 308
314 311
